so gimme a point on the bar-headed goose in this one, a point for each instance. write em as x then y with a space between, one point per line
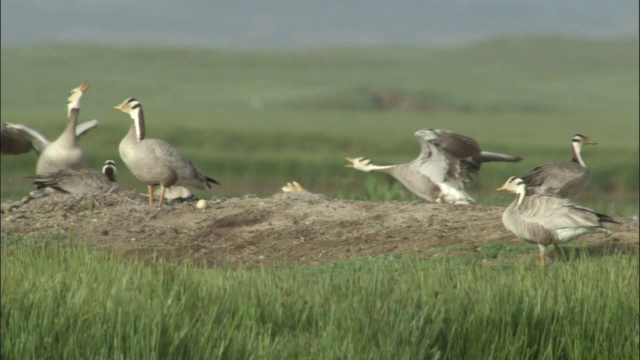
446 162
156 162
563 179
293 190
548 220
64 152
80 182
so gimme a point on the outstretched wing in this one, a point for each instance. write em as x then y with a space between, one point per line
84 128
456 145
19 139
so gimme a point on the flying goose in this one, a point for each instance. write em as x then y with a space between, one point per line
446 162
563 179
156 162
547 219
64 152
80 182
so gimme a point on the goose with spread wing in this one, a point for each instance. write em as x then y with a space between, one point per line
447 161
64 152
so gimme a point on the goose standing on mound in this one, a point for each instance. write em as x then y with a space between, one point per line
64 152
156 162
80 182
548 220
563 179
446 162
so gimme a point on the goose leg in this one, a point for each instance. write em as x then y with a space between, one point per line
541 254
150 195
162 190
557 251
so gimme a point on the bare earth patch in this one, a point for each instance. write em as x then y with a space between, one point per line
252 232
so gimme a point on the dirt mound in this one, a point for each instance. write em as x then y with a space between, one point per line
251 232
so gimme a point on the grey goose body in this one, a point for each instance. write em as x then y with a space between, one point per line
80 182
156 162
62 153
563 179
547 219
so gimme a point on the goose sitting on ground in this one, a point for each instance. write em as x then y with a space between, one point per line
64 152
177 194
446 162
293 190
563 179
80 182
156 162
548 220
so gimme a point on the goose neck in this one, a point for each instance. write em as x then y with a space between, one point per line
138 123
577 157
520 195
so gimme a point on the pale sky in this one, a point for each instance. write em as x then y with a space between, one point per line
308 23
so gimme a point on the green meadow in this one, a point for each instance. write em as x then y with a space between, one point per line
77 303
256 119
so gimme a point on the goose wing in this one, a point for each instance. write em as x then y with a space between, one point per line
170 156
556 213
18 139
85 181
561 178
458 146
85 127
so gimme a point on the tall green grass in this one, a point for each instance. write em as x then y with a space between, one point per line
257 119
66 302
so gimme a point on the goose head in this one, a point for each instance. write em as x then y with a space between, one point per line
579 140
514 185
133 107
360 163
292 186
426 134
130 106
582 140
109 170
73 102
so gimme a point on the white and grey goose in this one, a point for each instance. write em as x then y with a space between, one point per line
563 179
446 162
294 191
80 182
548 220
64 152
156 162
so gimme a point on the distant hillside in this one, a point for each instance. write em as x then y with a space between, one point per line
295 23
